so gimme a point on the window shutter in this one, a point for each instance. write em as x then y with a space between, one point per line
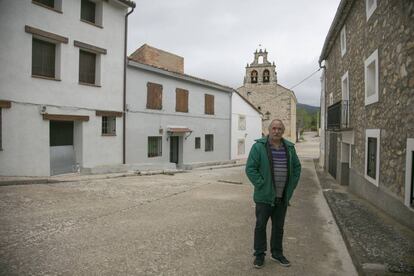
209 104
181 100
154 96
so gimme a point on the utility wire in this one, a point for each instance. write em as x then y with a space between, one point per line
305 78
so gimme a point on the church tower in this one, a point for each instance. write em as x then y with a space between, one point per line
260 71
260 88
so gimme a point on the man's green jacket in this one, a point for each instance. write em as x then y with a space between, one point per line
259 169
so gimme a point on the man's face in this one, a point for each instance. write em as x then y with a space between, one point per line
276 130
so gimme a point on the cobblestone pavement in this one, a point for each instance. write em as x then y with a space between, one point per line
378 244
195 223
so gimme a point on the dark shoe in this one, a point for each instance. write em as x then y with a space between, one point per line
259 261
281 260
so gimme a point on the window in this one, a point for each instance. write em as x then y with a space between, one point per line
108 125
154 96
48 3
345 99
89 63
241 147
343 41
154 146
209 138
409 174
181 100
242 122
87 67
330 99
371 78
372 155
253 76
45 53
43 58
266 76
208 104
370 6
197 142
88 9
55 5
91 12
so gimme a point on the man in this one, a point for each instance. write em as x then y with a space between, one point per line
274 170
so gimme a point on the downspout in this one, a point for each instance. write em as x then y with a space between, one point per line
231 120
124 88
324 112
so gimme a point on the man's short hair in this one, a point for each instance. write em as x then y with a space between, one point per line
278 121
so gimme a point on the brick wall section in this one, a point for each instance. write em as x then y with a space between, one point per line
390 29
158 58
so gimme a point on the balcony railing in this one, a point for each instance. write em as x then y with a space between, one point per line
338 116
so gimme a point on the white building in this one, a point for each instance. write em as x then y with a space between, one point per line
173 119
246 126
61 85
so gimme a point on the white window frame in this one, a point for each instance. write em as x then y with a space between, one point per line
373 133
110 126
368 62
345 96
342 37
244 146
242 122
370 10
345 92
408 171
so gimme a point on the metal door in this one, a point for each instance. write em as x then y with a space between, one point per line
62 152
174 149
332 154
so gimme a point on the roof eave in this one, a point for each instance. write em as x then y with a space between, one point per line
340 16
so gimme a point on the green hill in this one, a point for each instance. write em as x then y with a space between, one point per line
306 117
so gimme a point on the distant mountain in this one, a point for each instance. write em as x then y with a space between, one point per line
308 108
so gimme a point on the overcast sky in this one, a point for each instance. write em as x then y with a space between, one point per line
217 38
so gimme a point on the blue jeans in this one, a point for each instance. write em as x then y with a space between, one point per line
277 214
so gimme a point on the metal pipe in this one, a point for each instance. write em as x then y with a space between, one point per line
124 89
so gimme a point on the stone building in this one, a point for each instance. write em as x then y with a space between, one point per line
369 102
260 87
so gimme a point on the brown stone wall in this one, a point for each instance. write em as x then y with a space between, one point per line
275 99
158 58
390 29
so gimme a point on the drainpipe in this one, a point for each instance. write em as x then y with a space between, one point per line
231 119
124 88
324 111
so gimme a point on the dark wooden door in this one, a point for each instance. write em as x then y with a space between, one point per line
332 154
174 149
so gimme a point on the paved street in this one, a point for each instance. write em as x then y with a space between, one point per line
195 223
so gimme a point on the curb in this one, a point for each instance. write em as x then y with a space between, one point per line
29 181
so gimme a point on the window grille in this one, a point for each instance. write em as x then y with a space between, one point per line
154 146
108 125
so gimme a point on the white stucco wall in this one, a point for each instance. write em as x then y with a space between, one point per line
253 126
144 122
65 96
